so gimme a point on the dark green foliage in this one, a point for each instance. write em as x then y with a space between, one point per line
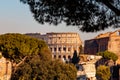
31 59
115 73
88 15
36 69
75 58
103 72
16 46
62 71
108 55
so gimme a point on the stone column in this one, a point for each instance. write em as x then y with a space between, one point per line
77 49
67 49
61 48
57 48
72 50
52 49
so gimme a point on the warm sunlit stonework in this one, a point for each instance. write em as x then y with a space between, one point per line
5 68
108 41
62 45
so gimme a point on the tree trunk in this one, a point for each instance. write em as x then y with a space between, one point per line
15 65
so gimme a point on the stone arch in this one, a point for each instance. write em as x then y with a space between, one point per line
64 57
69 57
59 56
55 56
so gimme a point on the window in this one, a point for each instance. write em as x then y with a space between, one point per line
69 49
64 57
54 56
51 49
64 49
55 49
69 57
59 49
59 56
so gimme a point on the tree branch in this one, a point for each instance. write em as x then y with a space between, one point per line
21 61
110 6
16 65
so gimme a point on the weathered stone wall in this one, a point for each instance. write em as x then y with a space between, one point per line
90 46
96 45
63 45
5 69
109 41
87 62
114 46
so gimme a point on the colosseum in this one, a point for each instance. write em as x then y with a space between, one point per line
62 45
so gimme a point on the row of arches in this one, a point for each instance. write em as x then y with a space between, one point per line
62 57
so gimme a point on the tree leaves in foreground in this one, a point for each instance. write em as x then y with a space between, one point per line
88 15
36 69
31 59
103 73
17 48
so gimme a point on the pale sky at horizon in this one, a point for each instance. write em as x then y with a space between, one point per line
15 17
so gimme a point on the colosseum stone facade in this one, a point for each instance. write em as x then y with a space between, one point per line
62 45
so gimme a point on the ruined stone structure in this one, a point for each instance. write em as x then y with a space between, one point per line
86 67
109 41
62 45
5 68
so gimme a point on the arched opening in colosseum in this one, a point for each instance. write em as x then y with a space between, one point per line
64 49
69 58
55 49
51 49
59 49
69 49
55 56
59 56
64 57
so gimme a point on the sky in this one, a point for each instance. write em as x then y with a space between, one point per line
15 17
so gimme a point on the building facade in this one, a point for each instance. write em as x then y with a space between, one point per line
108 41
62 45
